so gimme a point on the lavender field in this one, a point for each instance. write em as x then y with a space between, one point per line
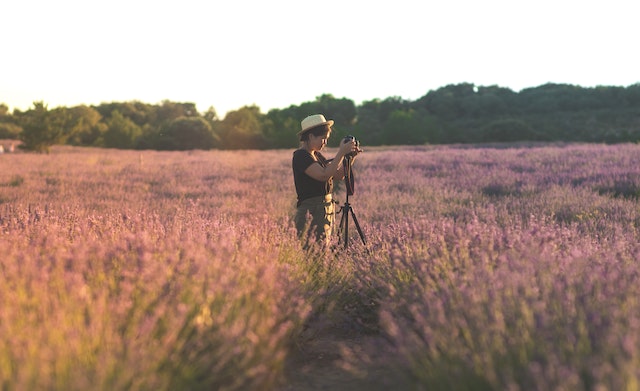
487 268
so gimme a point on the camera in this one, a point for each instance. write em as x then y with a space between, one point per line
349 138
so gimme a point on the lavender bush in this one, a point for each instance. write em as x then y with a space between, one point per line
486 268
143 271
511 268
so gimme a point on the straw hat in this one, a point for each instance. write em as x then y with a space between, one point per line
312 121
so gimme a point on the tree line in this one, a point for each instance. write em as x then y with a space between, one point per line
456 113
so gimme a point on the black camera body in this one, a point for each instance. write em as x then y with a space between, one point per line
349 138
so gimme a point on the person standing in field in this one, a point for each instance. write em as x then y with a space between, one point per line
313 175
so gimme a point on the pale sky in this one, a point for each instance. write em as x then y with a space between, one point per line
229 54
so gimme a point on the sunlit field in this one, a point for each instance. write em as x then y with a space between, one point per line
486 268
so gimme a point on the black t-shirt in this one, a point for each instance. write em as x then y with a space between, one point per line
307 187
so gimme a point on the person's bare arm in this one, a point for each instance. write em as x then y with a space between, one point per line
334 169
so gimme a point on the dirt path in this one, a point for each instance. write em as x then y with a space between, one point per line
325 364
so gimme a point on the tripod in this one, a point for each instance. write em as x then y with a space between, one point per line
346 209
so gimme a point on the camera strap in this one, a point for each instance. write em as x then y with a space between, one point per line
348 175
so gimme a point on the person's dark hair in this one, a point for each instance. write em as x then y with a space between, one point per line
316 131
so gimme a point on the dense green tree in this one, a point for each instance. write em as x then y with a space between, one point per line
456 113
341 110
242 129
552 97
8 127
492 101
368 128
138 112
632 95
84 125
169 111
42 128
150 119
610 97
9 130
280 128
507 130
121 132
184 133
450 102
406 127
373 116
211 115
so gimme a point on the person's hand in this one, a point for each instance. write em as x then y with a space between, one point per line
348 146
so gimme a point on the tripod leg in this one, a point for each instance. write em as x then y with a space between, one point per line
355 220
342 228
346 224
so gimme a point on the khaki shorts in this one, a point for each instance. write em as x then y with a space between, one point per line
315 216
